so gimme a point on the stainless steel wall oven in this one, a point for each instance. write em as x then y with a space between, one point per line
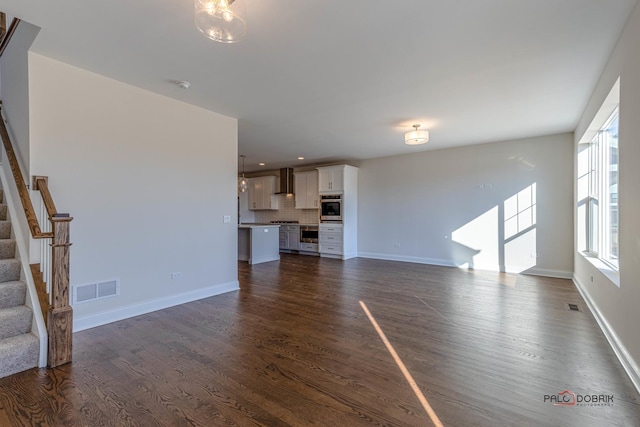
331 208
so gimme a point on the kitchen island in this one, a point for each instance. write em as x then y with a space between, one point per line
258 243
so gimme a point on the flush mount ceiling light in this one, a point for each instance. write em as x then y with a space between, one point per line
183 84
221 20
243 184
416 137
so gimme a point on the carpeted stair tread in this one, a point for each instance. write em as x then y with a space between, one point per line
7 248
12 294
18 354
5 229
9 270
19 347
15 321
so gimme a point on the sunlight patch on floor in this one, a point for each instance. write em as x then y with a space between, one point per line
407 375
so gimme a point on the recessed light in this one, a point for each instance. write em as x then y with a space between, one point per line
261 164
300 158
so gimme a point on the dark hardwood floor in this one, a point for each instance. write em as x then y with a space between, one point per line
294 348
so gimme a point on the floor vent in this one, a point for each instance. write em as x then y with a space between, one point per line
95 291
574 307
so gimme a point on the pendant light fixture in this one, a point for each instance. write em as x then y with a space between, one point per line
243 184
221 20
416 137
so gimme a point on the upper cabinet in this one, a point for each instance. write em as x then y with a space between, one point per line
331 179
261 193
306 190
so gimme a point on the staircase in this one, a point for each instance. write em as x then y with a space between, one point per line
19 348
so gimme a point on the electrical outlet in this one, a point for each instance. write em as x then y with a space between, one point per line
534 255
226 219
176 275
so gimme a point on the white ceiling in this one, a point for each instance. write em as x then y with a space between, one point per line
343 80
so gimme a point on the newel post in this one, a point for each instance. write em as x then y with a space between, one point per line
60 315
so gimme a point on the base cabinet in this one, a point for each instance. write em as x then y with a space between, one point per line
330 239
290 237
309 247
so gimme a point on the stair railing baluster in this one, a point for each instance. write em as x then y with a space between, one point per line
54 236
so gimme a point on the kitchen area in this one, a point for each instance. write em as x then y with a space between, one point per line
308 212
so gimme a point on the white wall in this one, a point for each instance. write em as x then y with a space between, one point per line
243 206
15 90
449 207
619 305
147 180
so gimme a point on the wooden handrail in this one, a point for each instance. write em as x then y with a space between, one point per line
3 25
29 212
59 313
41 184
4 41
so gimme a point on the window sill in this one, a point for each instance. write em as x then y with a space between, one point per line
606 270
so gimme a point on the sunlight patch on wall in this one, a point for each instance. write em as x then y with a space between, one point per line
520 212
503 238
520 251
481 235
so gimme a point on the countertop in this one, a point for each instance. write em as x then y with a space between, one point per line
261 224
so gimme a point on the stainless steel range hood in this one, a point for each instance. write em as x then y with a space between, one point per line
286 181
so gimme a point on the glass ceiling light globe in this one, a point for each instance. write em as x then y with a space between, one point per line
416 137
243 185
220 20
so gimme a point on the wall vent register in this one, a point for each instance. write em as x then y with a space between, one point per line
95 291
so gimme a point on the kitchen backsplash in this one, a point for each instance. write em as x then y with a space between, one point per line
287 212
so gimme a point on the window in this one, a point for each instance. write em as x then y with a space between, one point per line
601 173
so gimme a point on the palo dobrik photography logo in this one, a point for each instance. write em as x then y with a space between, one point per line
564 398
569 398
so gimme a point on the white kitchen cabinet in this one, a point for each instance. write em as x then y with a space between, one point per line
290 237
309 247
261 193
331 179
330 239
306 190
340 239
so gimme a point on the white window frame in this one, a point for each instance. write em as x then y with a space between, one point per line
594 219
599 220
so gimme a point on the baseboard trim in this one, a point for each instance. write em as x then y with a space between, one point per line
629 365
447 263
349 255
548 273
88 322
265 259
416 260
